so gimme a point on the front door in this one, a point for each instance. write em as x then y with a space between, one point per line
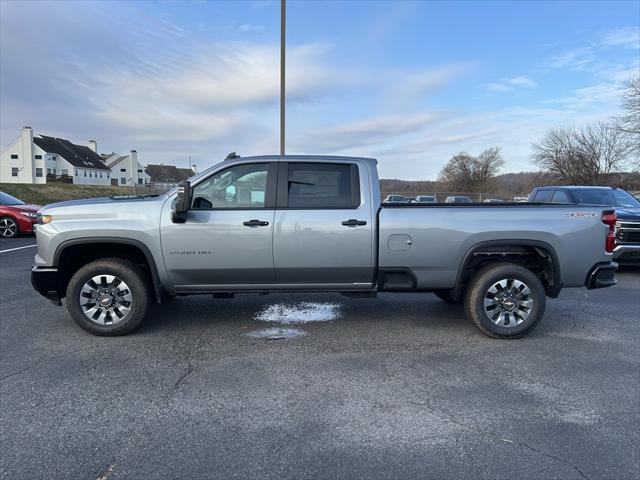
323 237
227 238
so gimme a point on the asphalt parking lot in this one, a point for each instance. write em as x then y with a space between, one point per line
397 387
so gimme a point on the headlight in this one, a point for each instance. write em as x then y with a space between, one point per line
42 219
30 214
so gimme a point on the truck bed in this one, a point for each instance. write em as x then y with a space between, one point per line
432 241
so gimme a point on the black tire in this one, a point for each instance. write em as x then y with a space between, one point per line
124 270
9 227
480 286
446 297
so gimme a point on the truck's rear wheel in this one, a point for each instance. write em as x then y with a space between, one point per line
505 300
108 297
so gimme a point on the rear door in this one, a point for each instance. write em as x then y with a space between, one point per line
324 227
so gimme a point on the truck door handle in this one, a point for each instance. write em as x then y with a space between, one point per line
255 223
353 223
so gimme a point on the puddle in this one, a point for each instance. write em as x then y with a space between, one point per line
304 312
276 333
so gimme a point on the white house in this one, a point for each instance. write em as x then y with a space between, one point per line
43 159
126 169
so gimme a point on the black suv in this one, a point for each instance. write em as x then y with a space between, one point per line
627 208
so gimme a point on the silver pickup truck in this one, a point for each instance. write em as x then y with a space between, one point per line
314 223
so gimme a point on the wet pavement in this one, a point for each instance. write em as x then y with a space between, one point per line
319 386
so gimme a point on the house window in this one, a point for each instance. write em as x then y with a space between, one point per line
65 172
107 175
14 156
100 174
14 171
123 181
85 173
139 170
139 181
54 171
76 173
90 174
123 169
38 157
48 171
38 172
54 157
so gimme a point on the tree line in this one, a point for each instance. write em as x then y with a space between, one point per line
590 155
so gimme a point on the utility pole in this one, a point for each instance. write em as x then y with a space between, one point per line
283 36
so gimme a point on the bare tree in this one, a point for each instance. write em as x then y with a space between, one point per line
629 121
584 155
466 173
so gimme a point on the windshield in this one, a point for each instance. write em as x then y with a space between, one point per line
6 199
598 196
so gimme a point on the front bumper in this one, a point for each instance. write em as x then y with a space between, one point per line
602 275
26 224
46 281
627 253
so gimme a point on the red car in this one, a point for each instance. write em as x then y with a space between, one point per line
16 217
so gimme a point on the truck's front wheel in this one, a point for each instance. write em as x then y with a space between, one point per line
108 297
505 300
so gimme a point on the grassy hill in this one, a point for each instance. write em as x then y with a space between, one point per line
56 192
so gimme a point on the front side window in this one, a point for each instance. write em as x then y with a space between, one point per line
38 157
38 172
323 185
241 187
14 171
123 181
14 156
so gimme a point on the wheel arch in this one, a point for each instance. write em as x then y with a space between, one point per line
72 254
514 251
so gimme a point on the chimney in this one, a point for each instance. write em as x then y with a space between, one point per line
28 172
133 164
93 145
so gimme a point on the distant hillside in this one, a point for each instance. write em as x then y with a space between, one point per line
56 192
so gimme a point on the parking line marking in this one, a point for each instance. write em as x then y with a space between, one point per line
17 248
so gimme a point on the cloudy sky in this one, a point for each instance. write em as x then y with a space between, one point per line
410 83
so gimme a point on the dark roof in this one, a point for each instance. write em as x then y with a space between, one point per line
76 155
168 173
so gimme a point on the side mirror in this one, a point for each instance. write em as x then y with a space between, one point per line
182 203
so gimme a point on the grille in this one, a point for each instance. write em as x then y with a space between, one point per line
628 232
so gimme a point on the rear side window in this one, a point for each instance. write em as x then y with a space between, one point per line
543 196
560 197
323 185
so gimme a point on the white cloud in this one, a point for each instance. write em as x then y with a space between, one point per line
510 84
576 59
628 37
248 27
373 131
420 83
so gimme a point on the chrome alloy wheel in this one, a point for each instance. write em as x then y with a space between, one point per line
508 302
8 227
105 299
